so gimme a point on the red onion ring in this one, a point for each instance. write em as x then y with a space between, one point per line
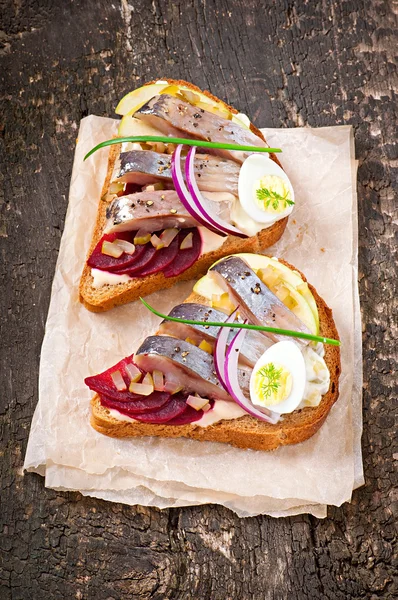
202 204
220 348
232 383
183 193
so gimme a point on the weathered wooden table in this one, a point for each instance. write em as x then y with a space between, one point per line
286 64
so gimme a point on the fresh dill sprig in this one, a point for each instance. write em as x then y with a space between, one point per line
270 197
271 379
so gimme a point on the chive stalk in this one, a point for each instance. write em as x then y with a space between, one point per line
173 140
275 330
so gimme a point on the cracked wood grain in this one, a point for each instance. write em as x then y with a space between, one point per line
286 64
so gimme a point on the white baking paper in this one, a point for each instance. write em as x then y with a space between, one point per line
321 240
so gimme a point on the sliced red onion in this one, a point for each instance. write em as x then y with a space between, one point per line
118 380
202 204
220 349
183 193
232 383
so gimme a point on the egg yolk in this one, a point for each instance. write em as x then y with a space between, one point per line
272 194
272 384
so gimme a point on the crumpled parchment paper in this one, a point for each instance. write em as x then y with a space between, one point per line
321 240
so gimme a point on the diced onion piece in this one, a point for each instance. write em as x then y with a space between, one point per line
171 387
190 341
141 237
269 276
168 235
197 402
187 242
189 96
148 380
141 388
125 246
156 242
158 381
153 187
116 187
118 380
111 249
282 292
204 345
133 372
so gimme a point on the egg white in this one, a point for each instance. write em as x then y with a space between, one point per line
254 168
288 355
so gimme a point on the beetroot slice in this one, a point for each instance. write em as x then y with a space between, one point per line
97 260
161 259
145 404
190 415
103 383
174 407
185 258
148 252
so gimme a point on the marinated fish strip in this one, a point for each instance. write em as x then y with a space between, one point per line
181 362
149 211
254 346
169 114
255 300
146 167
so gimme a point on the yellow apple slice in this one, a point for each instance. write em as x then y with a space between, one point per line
132 101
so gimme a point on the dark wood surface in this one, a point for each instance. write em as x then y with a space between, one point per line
285 64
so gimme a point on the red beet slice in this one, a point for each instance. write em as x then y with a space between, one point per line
104 262
103 383
145 257
174 407
161 259
185 258
190 415
145 404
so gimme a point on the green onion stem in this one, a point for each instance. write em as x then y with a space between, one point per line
173 140
287 332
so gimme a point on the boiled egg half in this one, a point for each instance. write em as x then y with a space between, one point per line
265 191
278 379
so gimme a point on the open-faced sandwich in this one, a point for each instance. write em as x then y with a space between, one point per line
189 181
251 358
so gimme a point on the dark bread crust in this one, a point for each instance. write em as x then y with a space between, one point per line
244 432
107 297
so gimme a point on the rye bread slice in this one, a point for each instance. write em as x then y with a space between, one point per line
109 296
246 431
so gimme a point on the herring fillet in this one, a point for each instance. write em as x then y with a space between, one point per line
171 116
150 211
182 363
213 174
256 301
254 346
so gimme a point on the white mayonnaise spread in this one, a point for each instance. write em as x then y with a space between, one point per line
101 278
221 410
